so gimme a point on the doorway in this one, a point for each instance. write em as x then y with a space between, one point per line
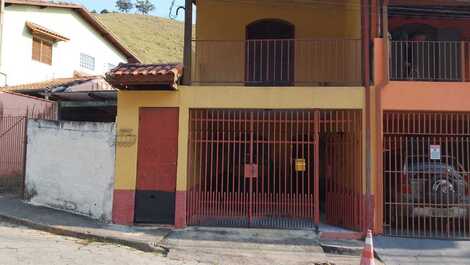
156 166
270 49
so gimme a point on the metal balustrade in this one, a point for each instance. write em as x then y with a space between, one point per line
444 61
277 62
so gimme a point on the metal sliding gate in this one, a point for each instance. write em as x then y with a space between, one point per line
12 153
426 174
258 168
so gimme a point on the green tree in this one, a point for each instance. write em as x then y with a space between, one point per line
144 6
124 5
104 11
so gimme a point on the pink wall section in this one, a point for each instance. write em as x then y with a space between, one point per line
426 96
15 109
12 104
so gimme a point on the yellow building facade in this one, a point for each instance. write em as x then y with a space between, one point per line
316 112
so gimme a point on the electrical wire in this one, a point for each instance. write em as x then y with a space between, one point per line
172 6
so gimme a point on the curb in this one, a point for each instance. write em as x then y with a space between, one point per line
142 246
341 250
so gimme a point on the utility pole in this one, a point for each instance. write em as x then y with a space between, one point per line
365 25
2 15
188 38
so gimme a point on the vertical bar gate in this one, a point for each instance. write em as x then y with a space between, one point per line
242 168
261 168
341 159
426 174
12 158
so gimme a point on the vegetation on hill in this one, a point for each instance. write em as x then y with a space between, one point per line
152 39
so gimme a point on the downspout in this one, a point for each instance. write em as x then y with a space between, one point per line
365 32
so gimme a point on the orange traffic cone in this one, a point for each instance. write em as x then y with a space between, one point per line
367 257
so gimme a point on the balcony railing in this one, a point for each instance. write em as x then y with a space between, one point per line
277 62
445 61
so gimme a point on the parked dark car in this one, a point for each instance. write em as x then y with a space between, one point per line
432 188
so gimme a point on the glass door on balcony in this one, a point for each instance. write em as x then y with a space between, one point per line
270 50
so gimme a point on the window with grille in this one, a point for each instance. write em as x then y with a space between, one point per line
87 61
42 51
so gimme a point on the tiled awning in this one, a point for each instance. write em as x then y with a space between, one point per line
44 32
52 84
145 76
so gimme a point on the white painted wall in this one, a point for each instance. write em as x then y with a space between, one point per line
16 51
70 166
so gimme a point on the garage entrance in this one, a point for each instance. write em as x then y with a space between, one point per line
426 177
273 168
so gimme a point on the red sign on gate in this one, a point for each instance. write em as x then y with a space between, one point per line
251 171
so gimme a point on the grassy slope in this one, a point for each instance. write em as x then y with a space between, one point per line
152 39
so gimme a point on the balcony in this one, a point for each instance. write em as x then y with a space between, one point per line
277 62
437 61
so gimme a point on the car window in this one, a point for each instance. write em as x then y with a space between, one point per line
428 166
417 164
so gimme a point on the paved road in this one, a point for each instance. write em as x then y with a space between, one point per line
21 245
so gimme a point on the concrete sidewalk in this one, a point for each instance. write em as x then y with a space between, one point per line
409 251
63 223
233 245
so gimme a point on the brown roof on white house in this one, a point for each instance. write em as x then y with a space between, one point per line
87 16
133 76
43 31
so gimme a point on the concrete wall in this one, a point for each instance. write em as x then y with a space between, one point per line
16 51
70 166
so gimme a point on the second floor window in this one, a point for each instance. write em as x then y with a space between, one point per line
42 51
87 61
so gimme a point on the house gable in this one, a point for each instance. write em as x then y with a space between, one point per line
83 38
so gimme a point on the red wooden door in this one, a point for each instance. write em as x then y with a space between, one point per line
157 163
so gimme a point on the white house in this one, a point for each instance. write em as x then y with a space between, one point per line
43 40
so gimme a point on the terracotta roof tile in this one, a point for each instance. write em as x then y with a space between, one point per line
132 75
53 83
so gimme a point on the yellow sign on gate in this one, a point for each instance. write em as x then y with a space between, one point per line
300 165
